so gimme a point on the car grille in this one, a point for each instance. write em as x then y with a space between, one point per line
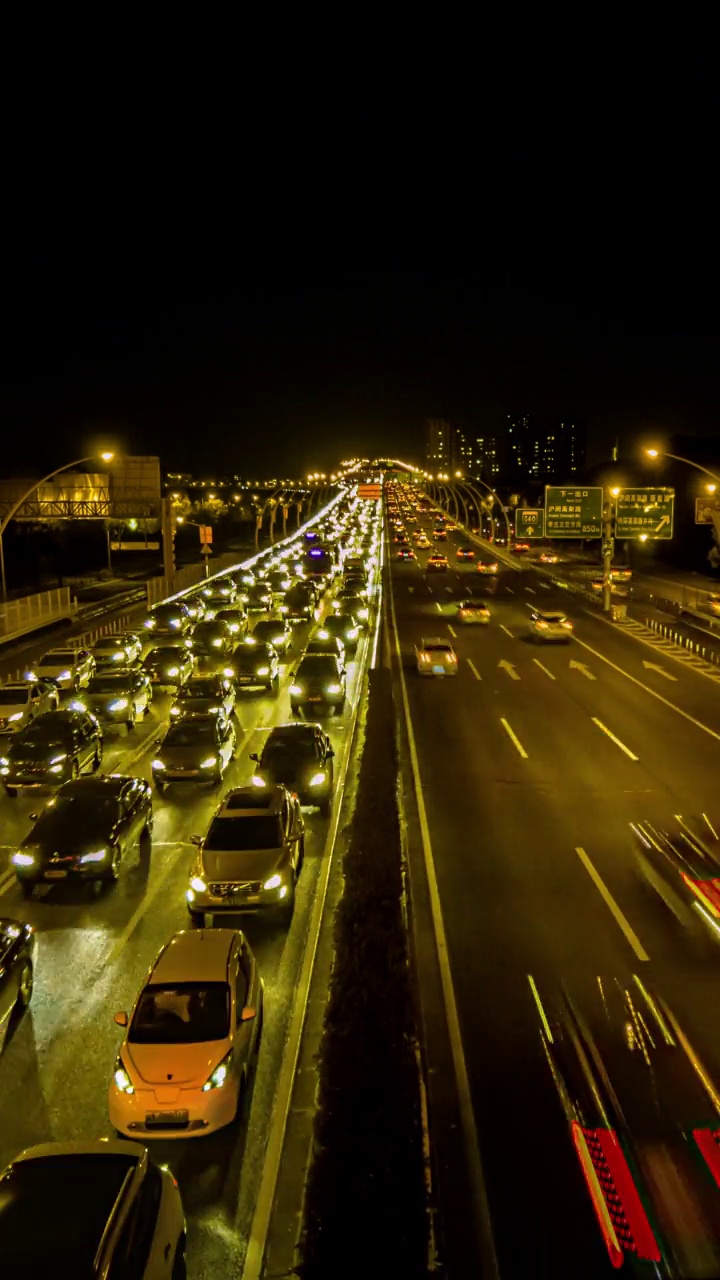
227 888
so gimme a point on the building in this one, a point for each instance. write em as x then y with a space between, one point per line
543 450
438 445
486 458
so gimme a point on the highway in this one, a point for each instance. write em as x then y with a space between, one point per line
532 762
94 952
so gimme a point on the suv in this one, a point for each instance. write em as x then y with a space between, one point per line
300 756
22 702
251 857
319 680
65 668
171 619
56 747
106 1207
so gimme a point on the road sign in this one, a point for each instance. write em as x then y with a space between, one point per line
529 522
704 508
573 512
647 512
370 492
205 550
205 534
608 547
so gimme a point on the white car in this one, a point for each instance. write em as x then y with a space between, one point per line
435 656
550 626
65 668
473 612
21 702
190 1040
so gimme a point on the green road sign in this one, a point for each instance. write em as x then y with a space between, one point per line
645 512
573 512
529 522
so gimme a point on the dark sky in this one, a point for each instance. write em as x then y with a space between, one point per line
276 247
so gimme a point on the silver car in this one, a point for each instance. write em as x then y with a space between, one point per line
65 668
550 626
435 656
22 701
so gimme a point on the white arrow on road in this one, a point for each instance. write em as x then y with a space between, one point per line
508 666
580 666
653 666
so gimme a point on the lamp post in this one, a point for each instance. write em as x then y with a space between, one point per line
78 462
658 453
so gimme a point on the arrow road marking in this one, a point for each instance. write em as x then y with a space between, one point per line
508 666
507 633
612 738
474 669
653 666
580 666
514 739
609 901
539 664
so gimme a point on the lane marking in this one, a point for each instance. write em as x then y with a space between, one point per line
539 664
653 666
507 633
7 880
531 591
452 632
468 1121
474 669
514 739
653 641
653 692
438 606
580 666
612 737
541 1011
503 665
610 902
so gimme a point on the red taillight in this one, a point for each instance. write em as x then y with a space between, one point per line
708 891
709 1144
617 1204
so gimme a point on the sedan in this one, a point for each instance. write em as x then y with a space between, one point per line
300 756
320 681
195 606
437 564
327 644
274 631
681 863
117 651
487 566
473 611
259 598
212 640
210 694
548 557
343 626
171 619
65 668
56 747
406 553
195 750
435 657
253 665
86 831
22 701
550 626
219 594
169 664
348 601
464 553
116 697
236 618
18 950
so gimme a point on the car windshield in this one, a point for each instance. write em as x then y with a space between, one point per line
95 810
165 655
189 735
110 642
64 656
437 648
200 689
108 684
183 1013
268 629
256 831
13 697
318 664
300 746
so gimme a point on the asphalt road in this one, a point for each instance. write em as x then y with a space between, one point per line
532 753
94 952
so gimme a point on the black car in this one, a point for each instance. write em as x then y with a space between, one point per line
198 749
210 694
171 619
259 597
90 827
254 666
343 626
300 756
195 606
219 594
116 697
56 747
170 664
348 601
236 618
327 644
318 682
212 639
18 946
274 631
299 603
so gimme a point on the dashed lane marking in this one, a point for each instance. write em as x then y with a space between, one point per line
539 664
612 738
474 669
610 902
514 739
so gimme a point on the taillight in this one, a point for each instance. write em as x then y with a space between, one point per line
619 1210
709 1145
708 891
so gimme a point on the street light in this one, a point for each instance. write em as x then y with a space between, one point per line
67 466
657 453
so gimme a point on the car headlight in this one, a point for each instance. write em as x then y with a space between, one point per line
158 764
175 711
121 1077
173 671
77 705
17 715
333 688
274 882
98 855
317 779
228 672
149 623
352 633
217 642
323 635
208 762
296 688
250 640
257 781
283 608
263 671
277 640
218 1077
64 675
175 622
234 626
198 885
22 859
119 704
362 613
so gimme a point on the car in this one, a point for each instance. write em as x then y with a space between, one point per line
450 524
437 563
56 747
344 626
18 955
327 644
254 664
196 749
712 604
439 535
319 681
22 701
680 861
236 618
300 603
406 553
210 693
548 557
300 756
119 650
435 656
170 665
348 600
473 611
353 564
116 696
107 1210
274 631
401 539
212 640
171 619
520 547
549 625
220 593
423 542
65 668
487 566
251 856
464 553
191 1040
640 1113
621 573
259 598
195 606
86 831
279 581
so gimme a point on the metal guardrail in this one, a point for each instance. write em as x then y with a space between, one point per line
18 617
161 588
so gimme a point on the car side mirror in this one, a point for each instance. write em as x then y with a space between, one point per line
121 1019
329 752
196 840
254 756
292 675
248 1014
34 817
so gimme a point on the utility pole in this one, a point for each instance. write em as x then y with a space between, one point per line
608 545
168 538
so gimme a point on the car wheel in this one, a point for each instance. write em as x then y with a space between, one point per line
159 786
325 807
295 711
25 987
146 840
146 712
197 919
97 758
339 708
11 792
301 857
74 771
112 875
27 888
179 1270
132 716
288 906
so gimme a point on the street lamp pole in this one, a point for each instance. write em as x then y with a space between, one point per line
657 453
78 462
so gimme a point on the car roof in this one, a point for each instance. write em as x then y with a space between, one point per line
551 615
194 955
248 801
18 685
49 719
436 640
96 785
290 731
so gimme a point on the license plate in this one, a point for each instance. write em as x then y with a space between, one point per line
165 1119
55 875
183 773
238 900
315 697
439 671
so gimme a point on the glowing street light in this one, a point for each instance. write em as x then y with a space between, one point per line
656 453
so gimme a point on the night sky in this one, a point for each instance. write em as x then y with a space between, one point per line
278 247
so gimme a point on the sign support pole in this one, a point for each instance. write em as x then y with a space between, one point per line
608 548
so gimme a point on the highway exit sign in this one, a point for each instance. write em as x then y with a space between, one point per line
645 513
573 512
529 522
